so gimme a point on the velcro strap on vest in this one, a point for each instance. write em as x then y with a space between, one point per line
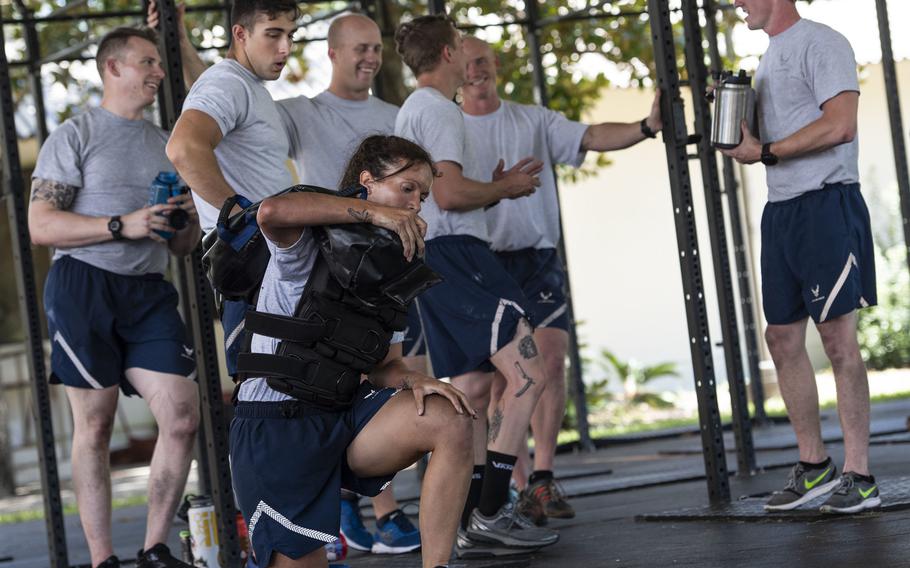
284 327
311 379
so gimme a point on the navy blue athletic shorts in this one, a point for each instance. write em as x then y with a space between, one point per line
233 313
474 312
542 278
415 342
289 464
101 323
817 258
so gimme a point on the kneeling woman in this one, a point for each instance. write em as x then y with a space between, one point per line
294 444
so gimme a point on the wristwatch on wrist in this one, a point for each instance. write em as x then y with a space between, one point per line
115 225
646 130
768 158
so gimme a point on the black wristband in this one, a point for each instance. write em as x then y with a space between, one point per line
646 130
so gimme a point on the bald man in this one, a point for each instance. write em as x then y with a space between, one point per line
524 233
323 133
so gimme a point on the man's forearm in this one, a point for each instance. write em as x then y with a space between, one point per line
609 136
193 65
467 194
199 169
64 229
818 136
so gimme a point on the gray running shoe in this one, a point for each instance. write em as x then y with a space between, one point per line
804 485
467 548
510 529
852 495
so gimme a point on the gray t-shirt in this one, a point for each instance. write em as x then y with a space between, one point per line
113 161
513 132
285 278
254 147
436 123
324 132
805 66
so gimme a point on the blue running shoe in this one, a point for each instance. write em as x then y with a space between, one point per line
357 535
396 535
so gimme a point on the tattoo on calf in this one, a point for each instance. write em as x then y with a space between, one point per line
495 425
362 216
527 347
60 195
528 380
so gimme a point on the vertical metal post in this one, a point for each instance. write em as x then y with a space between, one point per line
33 53
675 138
370 9
717 229
200 314
14 191
897 124
576 382
740 255
436 6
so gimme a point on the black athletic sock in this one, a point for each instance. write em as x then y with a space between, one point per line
543 474
496 476
473 495
810 465
866 478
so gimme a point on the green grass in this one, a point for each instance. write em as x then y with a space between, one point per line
38 514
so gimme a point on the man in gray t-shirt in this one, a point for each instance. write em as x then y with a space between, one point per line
524 233
324 131
475 320
817 254
112 317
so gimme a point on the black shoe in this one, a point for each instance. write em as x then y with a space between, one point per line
158 556
111 562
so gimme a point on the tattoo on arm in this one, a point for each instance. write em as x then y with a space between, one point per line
362 216
527 347
528 380
495 425
60 195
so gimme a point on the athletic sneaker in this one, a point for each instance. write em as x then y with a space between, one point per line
467 548
357 535
803 485
159 556
542 499
853 495
396 535
509 528
110 562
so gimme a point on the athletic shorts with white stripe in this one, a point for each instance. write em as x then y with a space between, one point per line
542 278
817 256
101 324
289 464
415 341
474 312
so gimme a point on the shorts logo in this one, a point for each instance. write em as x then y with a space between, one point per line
500 465
187 352
370 394
815 292
545 298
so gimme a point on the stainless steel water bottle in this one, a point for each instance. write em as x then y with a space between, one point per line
734 101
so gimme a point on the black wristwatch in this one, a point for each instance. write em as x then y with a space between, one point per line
768 158
115 225
646 130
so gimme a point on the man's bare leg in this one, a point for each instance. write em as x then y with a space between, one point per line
551 408
315 559
93 422
787 344
174 402
397 437
841 346
523 465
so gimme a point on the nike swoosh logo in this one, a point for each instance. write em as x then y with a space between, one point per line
814 482
866 494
